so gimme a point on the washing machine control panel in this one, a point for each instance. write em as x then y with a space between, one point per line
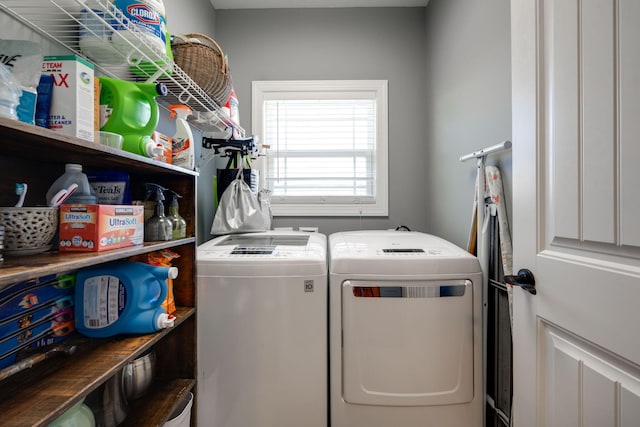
409 251
244 250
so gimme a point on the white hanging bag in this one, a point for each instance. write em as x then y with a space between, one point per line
239 210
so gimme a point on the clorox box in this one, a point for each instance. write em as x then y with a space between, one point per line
72 106
93 228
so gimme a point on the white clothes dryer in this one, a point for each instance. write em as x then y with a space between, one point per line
262 330
405 333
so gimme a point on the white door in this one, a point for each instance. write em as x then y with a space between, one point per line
576 148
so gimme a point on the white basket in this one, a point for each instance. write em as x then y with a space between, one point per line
182 415
28 230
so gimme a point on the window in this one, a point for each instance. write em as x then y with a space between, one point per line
327 141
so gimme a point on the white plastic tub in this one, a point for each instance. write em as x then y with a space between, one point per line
182 414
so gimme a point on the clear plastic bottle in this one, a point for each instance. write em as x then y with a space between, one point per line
158 227
73 175
96 31
9 93
178 224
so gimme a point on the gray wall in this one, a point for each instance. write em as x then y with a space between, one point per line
468 87
339 43
448 67
189 17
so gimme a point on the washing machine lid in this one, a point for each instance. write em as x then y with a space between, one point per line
264 254
397 252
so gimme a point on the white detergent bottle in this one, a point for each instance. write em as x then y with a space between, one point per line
183 145
73 174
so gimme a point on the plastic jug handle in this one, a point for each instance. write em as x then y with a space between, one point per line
158 292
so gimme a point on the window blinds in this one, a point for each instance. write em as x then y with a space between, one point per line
322 150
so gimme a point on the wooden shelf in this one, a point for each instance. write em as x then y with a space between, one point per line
159 403
18 269
39 395
36 143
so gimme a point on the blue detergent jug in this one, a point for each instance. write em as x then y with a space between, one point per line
122 298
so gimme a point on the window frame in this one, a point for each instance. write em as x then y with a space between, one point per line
377 90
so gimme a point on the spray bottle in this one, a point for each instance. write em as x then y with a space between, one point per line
183 145
177 222
158 226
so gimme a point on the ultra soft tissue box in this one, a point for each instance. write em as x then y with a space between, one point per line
93 228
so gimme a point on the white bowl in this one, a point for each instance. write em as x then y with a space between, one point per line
111 139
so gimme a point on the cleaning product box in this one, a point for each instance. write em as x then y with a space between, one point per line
93 228
167 147
35 313
52 329
72 101
32 293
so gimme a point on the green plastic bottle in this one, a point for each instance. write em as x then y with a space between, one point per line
130 109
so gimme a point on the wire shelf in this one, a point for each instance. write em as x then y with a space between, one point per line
135 60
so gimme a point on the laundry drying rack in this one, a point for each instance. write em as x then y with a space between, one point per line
485 242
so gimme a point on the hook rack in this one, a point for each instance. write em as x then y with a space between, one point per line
235 149
244 146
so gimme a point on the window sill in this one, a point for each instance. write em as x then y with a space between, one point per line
280 210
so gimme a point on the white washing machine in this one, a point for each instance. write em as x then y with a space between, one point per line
262 330
405 333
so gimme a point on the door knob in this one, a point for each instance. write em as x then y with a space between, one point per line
524 279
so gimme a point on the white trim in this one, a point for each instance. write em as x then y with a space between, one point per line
330 89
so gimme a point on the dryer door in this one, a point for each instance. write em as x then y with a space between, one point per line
407 343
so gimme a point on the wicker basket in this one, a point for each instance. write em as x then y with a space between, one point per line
205 63
28 230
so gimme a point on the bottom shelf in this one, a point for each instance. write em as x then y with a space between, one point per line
37 396
155 407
